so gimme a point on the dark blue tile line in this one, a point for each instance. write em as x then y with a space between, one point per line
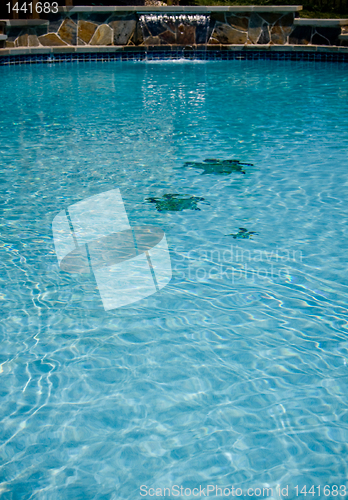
153 55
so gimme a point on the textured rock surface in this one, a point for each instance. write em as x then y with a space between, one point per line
152 40
68 31
270 17
225 34
123 31
186 35
102 36
168 37
240 23
301 35
27 38
22 40
86 30
278 36
33 40
286 20
254 34
51 40
264 38
138 38
256 21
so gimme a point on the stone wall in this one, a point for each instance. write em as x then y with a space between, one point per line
244 26
252 28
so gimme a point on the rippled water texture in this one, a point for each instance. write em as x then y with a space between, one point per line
235 374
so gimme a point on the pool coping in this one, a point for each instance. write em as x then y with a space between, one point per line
165 48
184 9
320 22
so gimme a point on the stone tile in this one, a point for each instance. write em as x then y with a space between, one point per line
279 36
271 17
186 35
102 36
286 20
213 41
155 28
33 40
167 37
86 30
152 40
254 34
301 35
256 21
138 38
240 23
264 36
80 42
68 31
22 40
123 31
51 40
225 34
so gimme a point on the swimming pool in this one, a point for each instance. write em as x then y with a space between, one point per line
235 373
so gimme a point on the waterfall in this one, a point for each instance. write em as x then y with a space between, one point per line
175 29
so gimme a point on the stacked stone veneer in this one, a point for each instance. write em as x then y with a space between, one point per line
227 28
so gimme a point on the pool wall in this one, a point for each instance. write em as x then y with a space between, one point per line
106 33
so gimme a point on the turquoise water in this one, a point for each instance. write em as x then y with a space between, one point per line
234 374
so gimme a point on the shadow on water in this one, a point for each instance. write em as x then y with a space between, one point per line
176 202
218 167
243 234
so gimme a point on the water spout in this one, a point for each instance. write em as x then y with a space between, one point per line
175 29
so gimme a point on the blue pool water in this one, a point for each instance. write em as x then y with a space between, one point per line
234 374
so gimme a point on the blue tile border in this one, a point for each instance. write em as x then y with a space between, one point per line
154 55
